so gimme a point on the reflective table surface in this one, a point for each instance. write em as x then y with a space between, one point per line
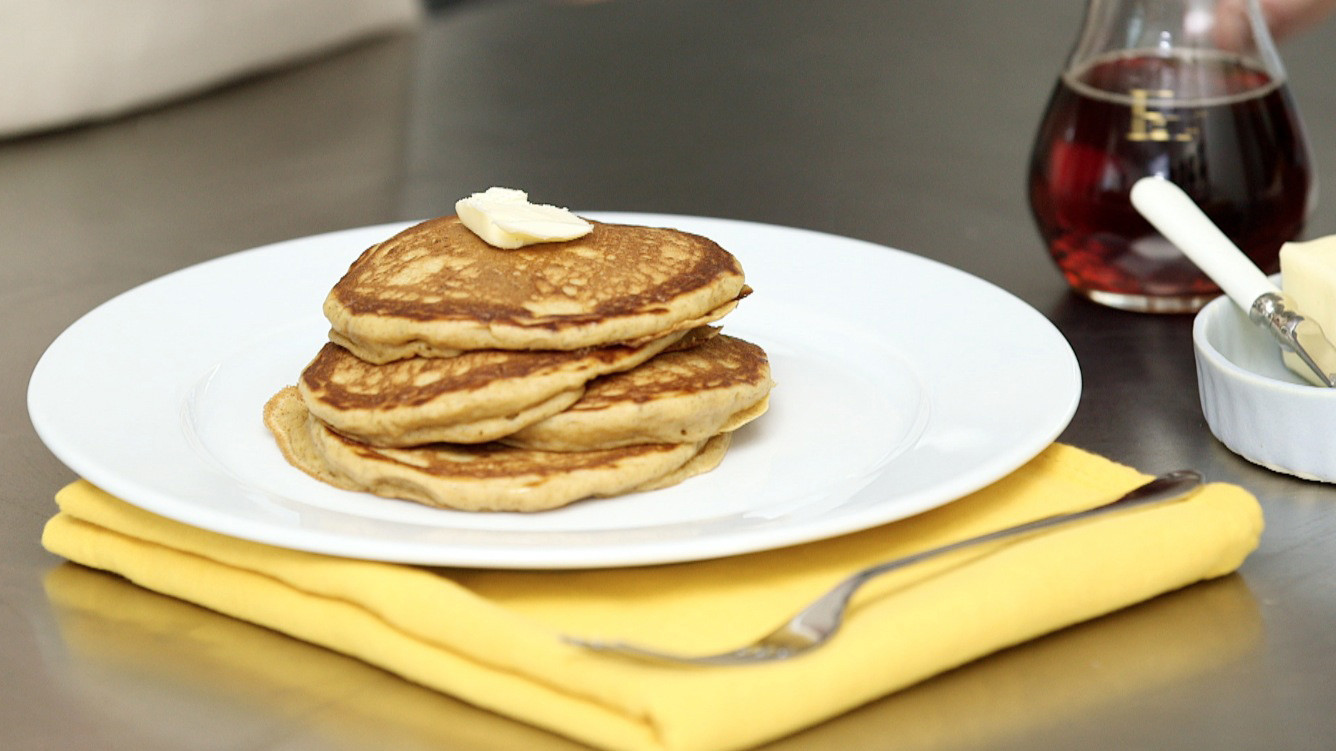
906 124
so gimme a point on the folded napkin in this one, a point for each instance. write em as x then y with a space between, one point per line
114 632
492 638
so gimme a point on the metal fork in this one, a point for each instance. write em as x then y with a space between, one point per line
815 624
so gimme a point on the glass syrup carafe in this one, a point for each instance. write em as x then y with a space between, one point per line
1189 90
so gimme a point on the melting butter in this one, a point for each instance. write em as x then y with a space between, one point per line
504 218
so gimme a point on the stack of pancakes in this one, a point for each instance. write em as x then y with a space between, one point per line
466 376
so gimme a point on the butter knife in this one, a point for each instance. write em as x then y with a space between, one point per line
1179 219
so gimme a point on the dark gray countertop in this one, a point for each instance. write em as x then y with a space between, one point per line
906 124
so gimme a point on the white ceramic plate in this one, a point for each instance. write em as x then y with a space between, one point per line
903 384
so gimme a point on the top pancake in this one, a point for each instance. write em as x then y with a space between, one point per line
436 289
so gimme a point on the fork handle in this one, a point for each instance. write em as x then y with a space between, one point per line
1166 486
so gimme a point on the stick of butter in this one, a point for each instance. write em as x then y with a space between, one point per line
1308 277
504 218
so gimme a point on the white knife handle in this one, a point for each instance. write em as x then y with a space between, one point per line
1174 214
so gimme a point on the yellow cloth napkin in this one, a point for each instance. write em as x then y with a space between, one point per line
115 631
492 638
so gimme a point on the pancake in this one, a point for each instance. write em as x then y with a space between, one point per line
472 398
710 456
679 396
486 477
437 289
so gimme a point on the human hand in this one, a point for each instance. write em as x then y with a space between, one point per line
1287 17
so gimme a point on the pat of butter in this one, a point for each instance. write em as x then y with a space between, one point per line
503 217
1308 275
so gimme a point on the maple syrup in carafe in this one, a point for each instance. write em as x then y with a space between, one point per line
1225 132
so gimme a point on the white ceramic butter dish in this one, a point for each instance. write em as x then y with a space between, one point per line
1254 405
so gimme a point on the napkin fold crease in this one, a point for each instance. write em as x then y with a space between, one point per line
492 638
